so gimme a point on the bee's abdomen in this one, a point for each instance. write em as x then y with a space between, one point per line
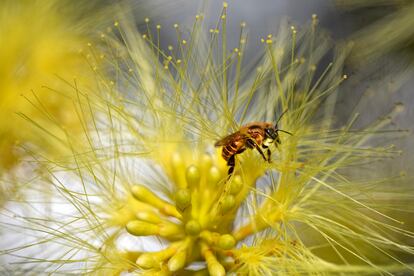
231 149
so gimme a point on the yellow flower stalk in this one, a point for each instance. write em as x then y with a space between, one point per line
152 195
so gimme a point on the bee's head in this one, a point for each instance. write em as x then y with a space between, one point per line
271 133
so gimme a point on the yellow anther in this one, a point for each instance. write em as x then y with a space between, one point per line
193 227
148 216
236 185
228 203
177 261
214 267
226 242
153 259
145 195
183 198
193 175
214 176
170 230
140 228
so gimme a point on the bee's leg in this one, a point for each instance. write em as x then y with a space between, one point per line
231 162
269 154
277 142
252 144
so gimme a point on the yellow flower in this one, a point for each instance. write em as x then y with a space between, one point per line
39 46
152 195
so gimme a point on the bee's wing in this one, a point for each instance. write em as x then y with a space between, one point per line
232 137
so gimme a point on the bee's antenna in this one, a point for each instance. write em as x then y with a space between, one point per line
287 132
280 117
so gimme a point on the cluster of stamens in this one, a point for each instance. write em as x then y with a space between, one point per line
197 222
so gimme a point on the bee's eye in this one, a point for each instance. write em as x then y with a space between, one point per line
270 133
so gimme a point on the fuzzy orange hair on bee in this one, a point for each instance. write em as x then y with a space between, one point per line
254 135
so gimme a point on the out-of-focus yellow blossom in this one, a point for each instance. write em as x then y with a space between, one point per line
40 43
39 47
152 196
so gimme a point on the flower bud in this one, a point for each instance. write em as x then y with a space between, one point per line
154 259
148 217
216 269
143 194
177 161
226 242
236 185
171 210
177 261
183 198
146 261
227 203
178 170
214 176
206 161
140 228
193 227
193 175
170 230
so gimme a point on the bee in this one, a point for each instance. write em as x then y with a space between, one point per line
255 135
